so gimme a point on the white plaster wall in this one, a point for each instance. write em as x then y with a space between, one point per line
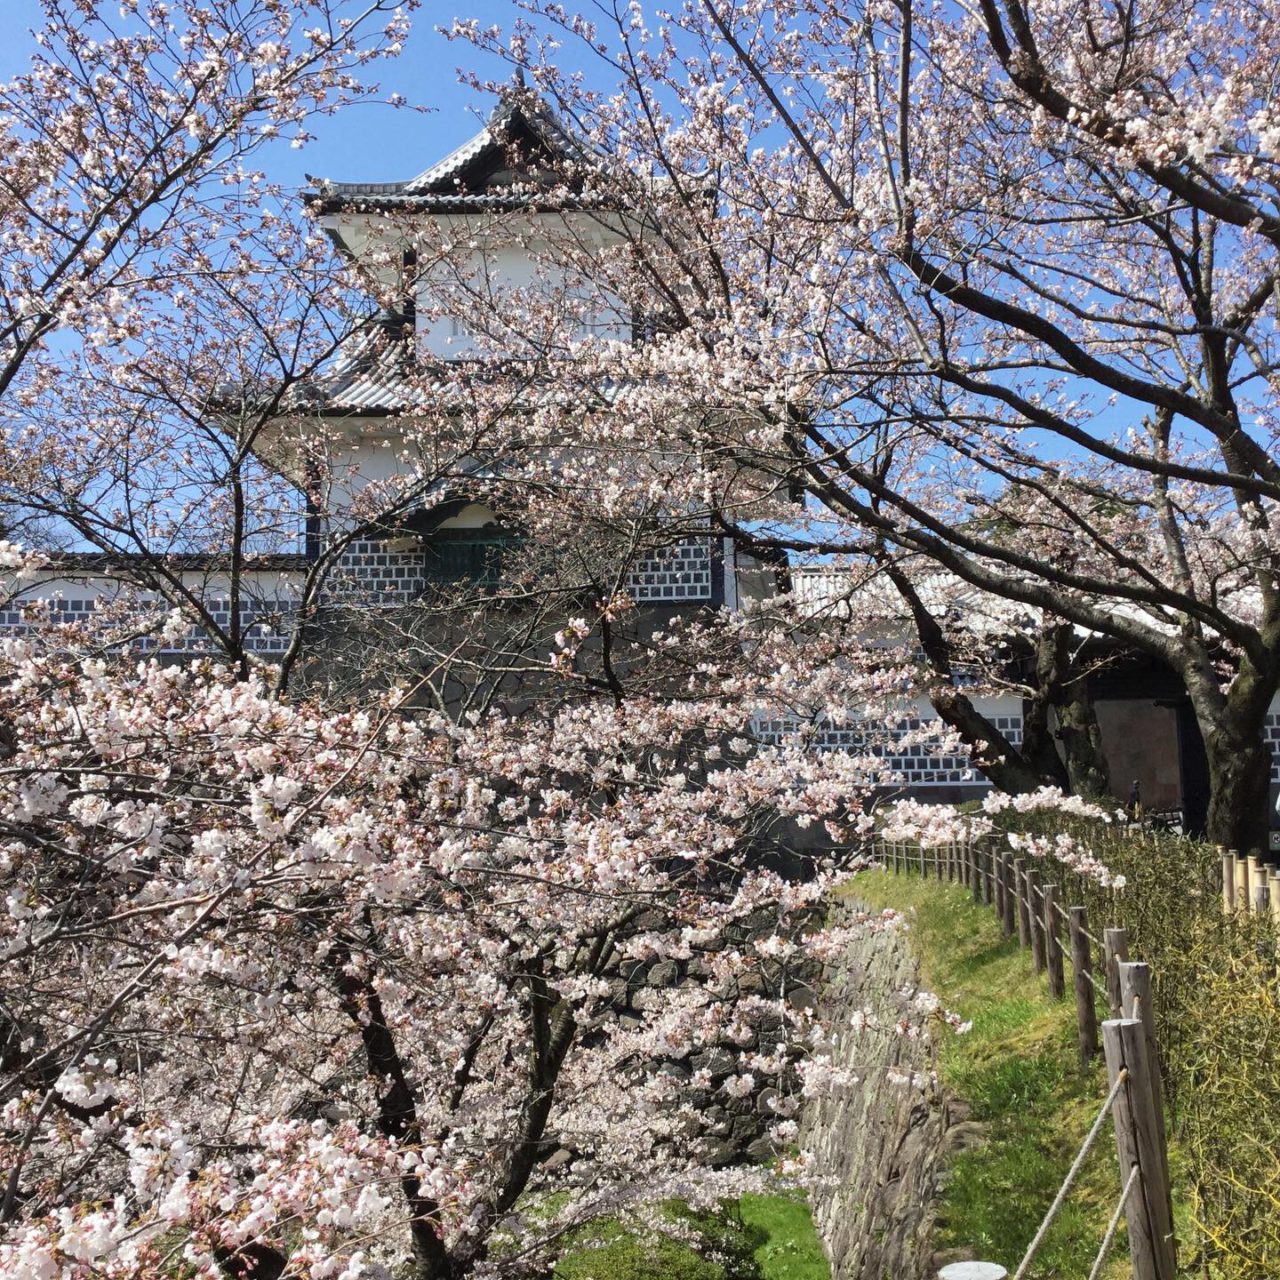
502 283
485 261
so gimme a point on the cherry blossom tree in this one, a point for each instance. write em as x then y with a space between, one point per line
161 298
997 283
132 137
965 645
295 992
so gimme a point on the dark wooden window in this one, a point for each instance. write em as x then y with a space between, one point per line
466 555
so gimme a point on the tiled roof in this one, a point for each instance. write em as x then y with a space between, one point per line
507 119
73 563
461 181
378 372
371 374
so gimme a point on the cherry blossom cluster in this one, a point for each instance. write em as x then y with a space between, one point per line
319 989
929 825
1070 852
1047 800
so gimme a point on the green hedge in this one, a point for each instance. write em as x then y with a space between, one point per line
1217 1007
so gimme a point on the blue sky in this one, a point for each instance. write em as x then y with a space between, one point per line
369 143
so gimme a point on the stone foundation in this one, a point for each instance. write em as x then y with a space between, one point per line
877 1145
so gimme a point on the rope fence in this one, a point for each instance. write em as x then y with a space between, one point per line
1057 934
1076 1165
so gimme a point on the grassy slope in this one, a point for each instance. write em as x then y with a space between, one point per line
1019 1072
790 1249
775 1230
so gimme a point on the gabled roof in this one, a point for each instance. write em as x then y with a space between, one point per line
373 372
379 372
524 157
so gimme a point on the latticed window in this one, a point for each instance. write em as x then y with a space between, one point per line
471 555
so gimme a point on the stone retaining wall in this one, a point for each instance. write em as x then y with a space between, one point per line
878 1144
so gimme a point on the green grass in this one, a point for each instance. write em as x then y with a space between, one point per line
789 1249
764 1237
614 1249
1018 1070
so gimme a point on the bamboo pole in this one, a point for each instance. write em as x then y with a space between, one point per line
1151 1245
1242 884
1082 969
1228 879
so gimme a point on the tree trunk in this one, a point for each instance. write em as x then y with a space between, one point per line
1239 787
1231 724
1039 748
1081 737
1005 767
1061 683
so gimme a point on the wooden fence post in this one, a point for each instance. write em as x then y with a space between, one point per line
988 874
921 848
1082 970
1009 905
977 860
1261 900
1020 896
1138 1002
1115 949
1151 1245
1053 942
1036 910
1228 880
